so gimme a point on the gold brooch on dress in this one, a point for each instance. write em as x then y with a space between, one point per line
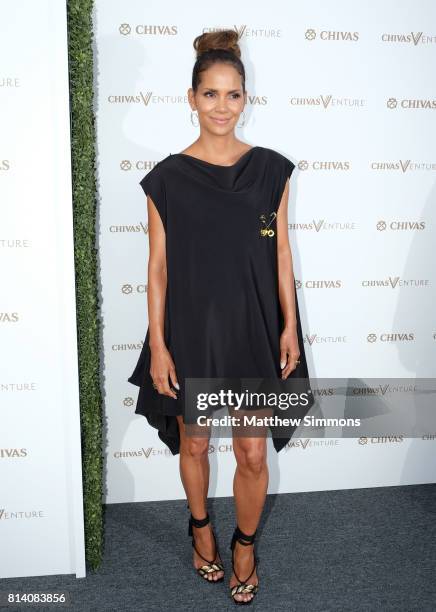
265 231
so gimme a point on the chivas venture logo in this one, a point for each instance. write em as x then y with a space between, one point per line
403 165
148 97
304 443
144 453
9 82
317 339
19 514
323 225
393 282
129 229
244 31
327 101
142 97
414 38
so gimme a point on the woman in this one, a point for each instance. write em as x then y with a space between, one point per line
221 295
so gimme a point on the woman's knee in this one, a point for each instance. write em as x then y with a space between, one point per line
250 454
195 448
190 445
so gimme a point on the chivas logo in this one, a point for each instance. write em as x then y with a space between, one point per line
266 222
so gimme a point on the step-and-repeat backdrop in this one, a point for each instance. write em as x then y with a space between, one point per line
344 89
41 507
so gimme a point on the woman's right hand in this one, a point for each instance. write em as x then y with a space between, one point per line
161 367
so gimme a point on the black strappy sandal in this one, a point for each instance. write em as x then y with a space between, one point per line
214 565
243 586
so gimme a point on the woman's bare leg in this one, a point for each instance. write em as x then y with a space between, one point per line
194 472
250 486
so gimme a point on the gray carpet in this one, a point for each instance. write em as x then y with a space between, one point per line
351 550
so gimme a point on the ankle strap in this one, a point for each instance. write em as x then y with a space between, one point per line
240 535
199 522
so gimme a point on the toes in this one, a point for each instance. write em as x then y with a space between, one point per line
214 576
244 597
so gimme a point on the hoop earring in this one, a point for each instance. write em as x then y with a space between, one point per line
195 124
243 123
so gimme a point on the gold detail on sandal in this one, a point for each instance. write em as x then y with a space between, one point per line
208 569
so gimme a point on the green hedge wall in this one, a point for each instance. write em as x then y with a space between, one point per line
80 35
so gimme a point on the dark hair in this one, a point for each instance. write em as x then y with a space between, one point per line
213 47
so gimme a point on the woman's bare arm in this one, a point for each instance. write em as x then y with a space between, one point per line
289 349
157 276
162 365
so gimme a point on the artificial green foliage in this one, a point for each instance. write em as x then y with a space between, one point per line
80 35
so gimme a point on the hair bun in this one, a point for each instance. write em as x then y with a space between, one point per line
224 39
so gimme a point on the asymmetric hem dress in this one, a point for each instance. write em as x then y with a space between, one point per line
222 310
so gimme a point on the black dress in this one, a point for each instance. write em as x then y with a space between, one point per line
222 314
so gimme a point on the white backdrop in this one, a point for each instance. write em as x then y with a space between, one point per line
41 512
346 90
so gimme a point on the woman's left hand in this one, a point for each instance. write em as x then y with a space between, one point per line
289 350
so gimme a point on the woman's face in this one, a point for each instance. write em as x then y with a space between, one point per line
219 99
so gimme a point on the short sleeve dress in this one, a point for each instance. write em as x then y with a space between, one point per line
222 311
